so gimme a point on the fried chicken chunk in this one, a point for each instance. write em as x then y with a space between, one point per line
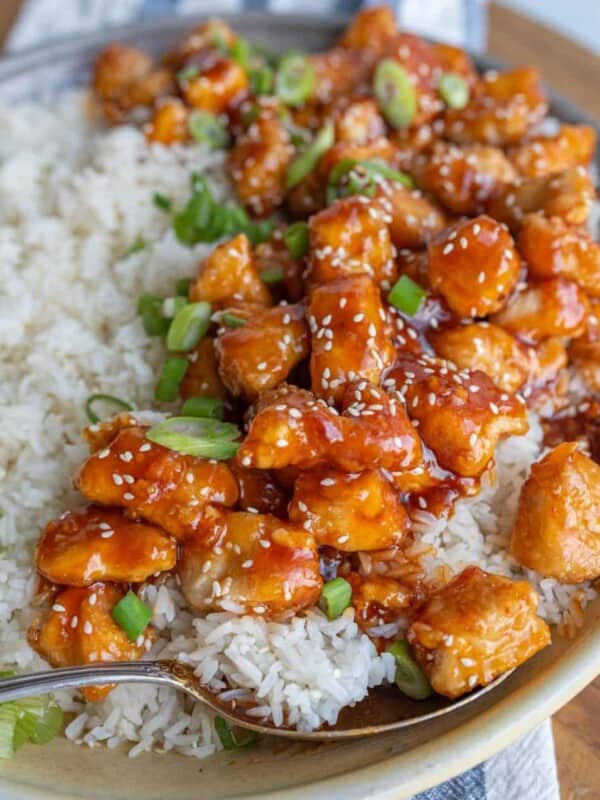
165 487
169 123
260 490
571 146
101 544
377 599
259 355
348 511
292 427
553 248
220 83
557 530
350 339
475 628
79 629
553 308
461 415
413 219
249 563
474 267
230 273
202 377
486 347
349 238
358 121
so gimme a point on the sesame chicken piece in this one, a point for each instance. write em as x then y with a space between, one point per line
348 511
502 111
571 146
568 194
378 599
339 72
258 163
350 237
206 36
169 123
557 530
462 178
475 628
273 254
259 355
202 377
260 490
486 347
99 544
585 350
100 434
249 563
349 335
292 427
358 121
455 60
371 29
474 266
419 59
551 247
79 629
228 274
547 360
163 486
413 219
306 197
219 84
461 416
553 308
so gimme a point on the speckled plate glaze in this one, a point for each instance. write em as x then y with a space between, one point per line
387 767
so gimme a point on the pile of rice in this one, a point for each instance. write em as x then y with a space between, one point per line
73 201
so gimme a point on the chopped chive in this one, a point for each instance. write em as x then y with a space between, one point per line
9 714
231 321
182 287
162 201
406 295
132 615
170 379
208 129
454 90
109 399
306 161
33 719
241 51
295 79
187 74
272 275
296 239
261 80
335 597
371 167
137 246
395 93
197 436
410 678
189 326
171 306
203 407
230 739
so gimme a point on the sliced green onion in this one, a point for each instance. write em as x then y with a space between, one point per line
306 161
189 326
171 306
33 719
9 714
261 80
410 678
335 597
132 615
109 399
230 739
395 93
149 307
231 321
371 167
406 295
295 79
251 114
241 51
182 287
203 407
162 201
296 239
272 275
454 90
208 129
170 379
187 74
136 247
197 436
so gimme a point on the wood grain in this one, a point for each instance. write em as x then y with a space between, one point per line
574 72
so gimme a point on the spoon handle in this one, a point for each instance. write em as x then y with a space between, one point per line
74 677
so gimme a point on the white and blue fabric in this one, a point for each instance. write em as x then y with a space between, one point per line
527 769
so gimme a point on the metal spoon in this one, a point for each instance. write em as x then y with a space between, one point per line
385 709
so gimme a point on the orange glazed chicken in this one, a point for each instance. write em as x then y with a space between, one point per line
383 316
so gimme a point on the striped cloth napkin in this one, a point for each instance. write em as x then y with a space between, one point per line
527 769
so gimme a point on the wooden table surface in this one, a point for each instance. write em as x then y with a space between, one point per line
575 72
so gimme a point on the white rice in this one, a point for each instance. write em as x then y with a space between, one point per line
72 202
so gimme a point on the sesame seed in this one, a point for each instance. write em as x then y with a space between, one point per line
246 461
328 482
74 621
107 534
129 479
189 476
128 496
144 448
448 249
103 453
87 627
358 318
92 599
58 607
494 408
264 543
126 456
117 479
302 506
262 366
281 443
342 539
247 564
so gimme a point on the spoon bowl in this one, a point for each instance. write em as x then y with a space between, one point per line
385 708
